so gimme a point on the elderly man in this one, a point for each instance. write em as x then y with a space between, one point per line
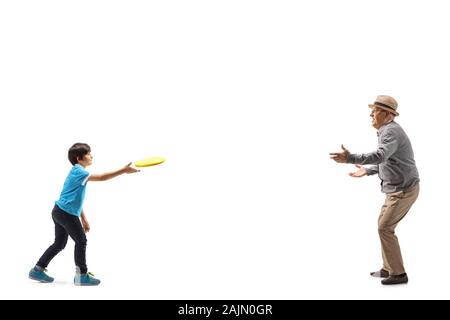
395 165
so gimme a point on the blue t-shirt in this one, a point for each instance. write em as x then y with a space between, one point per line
72 195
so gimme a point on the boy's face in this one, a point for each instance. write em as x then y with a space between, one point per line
87 160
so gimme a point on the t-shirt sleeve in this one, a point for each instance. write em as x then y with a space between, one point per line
80 176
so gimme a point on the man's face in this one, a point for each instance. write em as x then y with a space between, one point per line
378 117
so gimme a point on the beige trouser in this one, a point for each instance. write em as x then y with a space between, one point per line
395 208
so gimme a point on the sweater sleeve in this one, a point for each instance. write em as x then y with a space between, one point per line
387 146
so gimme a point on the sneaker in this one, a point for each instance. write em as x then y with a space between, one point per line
396 279
86 279
380 274
40 275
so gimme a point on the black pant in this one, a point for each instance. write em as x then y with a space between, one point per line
66 225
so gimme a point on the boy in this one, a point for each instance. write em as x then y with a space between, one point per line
66 216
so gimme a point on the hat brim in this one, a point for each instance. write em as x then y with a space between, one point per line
371 106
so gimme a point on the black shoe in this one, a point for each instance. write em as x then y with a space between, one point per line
380 274
397 279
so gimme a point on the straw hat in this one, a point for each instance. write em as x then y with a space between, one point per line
386 103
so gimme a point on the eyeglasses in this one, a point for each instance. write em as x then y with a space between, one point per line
377 110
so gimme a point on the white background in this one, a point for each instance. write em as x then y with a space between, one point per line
245 99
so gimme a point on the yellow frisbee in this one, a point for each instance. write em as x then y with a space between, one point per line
150 161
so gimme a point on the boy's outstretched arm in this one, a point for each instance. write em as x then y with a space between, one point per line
113 174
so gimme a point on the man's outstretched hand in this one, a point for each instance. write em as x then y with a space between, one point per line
361 172
340 157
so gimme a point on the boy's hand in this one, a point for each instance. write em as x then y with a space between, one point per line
86 226
129 169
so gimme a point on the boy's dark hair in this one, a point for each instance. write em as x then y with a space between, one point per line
78 151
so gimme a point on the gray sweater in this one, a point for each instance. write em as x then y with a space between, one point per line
393 160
